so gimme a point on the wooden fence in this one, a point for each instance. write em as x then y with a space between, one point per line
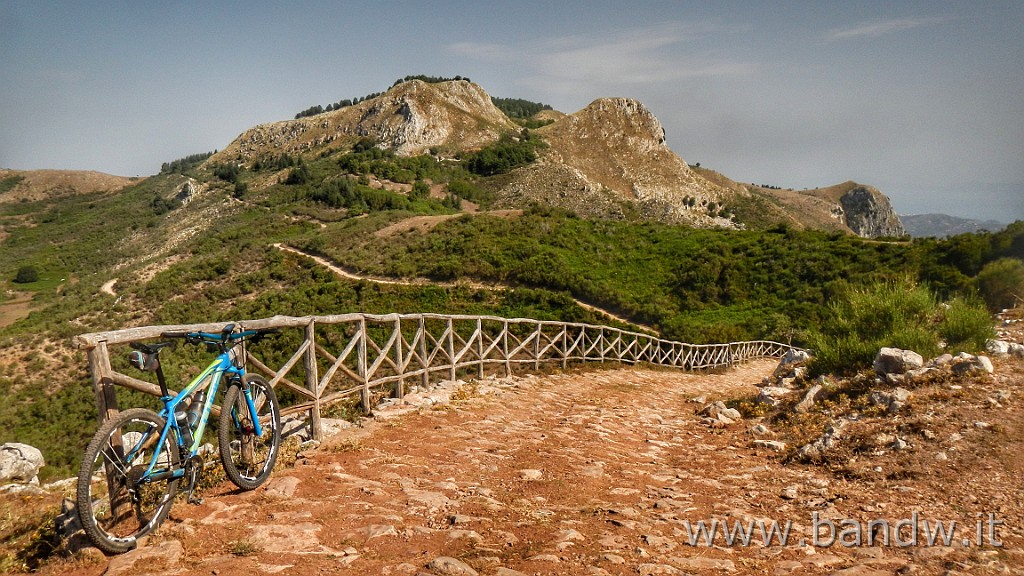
343 356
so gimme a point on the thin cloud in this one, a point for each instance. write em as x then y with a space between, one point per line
635 56
883 27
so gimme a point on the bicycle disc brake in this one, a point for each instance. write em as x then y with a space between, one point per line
194 472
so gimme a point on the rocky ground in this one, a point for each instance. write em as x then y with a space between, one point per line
609 472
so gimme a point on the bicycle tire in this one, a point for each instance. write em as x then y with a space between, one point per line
248 460
112 531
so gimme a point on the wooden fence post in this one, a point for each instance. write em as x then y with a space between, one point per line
424 361
399 391
504 348
102 386
106 404
364 393
480 347
536 345
451 349
313 380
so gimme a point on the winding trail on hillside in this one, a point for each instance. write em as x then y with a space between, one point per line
333 267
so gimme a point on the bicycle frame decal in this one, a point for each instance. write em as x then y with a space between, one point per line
214 374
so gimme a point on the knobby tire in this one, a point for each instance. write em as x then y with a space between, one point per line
248 459
115 525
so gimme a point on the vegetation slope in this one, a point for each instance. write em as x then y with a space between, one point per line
193 244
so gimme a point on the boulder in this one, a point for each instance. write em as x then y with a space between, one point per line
809 399
997 347
967 364
20 463
826 442
772 395
892 401
795 356
896 361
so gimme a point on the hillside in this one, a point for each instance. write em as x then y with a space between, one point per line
33 185
197 246
609 160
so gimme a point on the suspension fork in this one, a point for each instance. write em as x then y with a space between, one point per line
251 405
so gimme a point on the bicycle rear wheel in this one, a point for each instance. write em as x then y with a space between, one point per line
115 505
248 459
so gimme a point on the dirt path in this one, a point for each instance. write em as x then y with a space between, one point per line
16 308
587 472
419 282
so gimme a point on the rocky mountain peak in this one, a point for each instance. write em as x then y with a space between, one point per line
410 118
609 160
610 156
619 121
868 213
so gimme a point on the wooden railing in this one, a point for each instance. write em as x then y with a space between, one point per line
342 356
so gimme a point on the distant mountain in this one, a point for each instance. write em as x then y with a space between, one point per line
32 185
609 160
943 225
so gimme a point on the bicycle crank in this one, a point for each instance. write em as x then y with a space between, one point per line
194 472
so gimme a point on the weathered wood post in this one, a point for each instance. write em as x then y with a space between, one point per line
312 379
364 393
106 404
536 345
424 361
451 349
504 348
102 385
480 347
399 391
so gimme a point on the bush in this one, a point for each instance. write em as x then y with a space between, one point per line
1001 283
26 275
965 326
897 314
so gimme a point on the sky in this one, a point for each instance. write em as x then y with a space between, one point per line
922 99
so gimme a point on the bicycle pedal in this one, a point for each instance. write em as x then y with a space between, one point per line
194 500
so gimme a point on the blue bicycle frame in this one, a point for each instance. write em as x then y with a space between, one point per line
223 364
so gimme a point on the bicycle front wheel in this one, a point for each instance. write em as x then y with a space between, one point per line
118 502
248 459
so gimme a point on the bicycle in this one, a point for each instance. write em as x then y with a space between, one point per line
130 472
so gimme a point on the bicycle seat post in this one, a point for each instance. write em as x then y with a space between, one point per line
161 380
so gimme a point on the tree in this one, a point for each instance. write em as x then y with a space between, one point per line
1001 283
420 190
26 275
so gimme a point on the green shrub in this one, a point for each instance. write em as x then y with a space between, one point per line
965 325
899 314
26 275
1001 283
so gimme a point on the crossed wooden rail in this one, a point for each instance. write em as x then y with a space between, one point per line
378 353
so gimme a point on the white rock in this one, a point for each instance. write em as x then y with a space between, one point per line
20 463
896 361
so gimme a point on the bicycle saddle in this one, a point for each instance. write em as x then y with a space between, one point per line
151 348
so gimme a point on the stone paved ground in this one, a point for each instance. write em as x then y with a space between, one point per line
585 472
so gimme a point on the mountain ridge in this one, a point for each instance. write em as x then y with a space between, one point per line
608 160
945 225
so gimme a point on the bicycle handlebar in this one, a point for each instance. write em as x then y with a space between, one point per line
225 337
